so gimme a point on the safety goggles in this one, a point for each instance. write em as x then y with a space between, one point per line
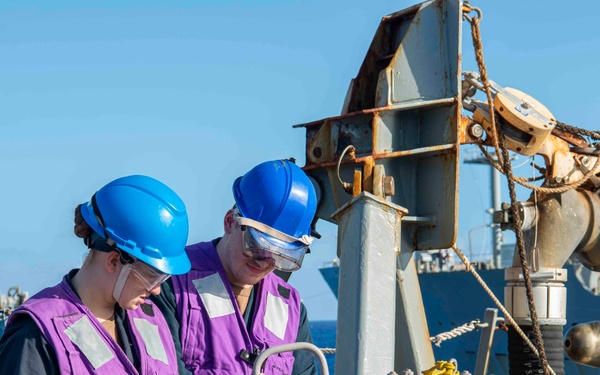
149 276
283 255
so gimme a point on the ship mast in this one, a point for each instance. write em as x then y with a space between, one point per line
496 200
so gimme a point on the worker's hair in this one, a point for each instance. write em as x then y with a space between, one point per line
81 228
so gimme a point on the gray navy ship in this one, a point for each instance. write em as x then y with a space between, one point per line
452 296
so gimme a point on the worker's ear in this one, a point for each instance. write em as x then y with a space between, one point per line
229 222
111 263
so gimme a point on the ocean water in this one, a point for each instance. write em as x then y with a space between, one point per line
323 333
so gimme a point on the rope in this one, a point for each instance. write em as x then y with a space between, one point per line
455 332
535 325
505 167
442 368
478 46
523 181
507 315
573 129
327 350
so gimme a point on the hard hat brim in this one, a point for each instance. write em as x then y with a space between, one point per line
176 265
87 211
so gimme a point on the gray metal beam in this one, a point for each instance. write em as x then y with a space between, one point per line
485 342
413 346
368 243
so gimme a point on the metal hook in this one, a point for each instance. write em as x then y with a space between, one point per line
469 8
346 185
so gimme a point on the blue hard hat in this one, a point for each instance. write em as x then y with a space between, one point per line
278 194
145 218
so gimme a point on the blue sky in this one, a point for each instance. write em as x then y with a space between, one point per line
195 93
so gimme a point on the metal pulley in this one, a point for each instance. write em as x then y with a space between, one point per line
525 122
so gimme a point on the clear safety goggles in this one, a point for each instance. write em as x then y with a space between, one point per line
149 276
284 256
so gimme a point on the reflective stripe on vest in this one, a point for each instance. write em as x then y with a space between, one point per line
214 295
87 339
151 338
85 336
276 315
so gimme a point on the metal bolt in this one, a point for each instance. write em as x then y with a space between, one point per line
476 131
389 188
526 103
585 161
558 180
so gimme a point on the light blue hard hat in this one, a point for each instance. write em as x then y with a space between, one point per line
278 194
145 219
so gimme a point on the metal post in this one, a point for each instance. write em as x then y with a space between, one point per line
413 346
550 297
368 243
485 342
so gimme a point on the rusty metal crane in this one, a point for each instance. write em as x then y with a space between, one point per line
387 170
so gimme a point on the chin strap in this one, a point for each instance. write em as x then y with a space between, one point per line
121 280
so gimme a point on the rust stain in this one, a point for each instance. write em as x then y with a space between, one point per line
463 131
318 147
574 139
367 180
384 155
423 150
342 117
357 183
